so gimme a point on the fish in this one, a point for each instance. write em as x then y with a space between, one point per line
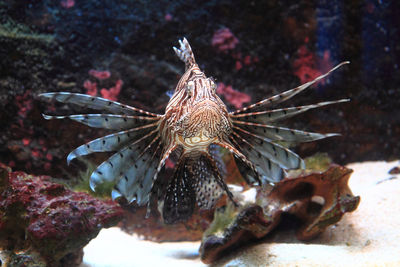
195 122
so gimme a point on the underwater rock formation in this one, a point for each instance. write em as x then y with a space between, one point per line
47 221
317 199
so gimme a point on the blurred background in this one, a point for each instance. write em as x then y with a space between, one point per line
122 50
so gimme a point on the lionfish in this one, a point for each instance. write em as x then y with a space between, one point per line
195 120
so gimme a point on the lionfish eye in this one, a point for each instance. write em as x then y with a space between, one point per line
213 84
189 88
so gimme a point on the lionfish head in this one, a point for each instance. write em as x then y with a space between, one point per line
202 112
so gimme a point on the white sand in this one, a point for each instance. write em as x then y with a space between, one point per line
370 236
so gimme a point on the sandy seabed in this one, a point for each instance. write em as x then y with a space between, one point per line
369 236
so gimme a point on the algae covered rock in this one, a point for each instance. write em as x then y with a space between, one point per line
47 221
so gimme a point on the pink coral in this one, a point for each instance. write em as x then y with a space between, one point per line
244 61
308 67
235 98
113 92
67 3
168 17
100 74
91 87
224 40
26 141
24 103
238 65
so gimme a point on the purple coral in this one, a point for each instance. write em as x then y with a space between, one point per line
224 40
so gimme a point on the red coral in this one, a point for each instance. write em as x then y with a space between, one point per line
24 103
113 92
36 153
308 67
235 98
26 141
168 17
246 61
238 65
91 87
67 3
100 74
224 40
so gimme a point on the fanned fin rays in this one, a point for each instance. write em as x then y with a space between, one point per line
253 136
94 102
137 145
144 141
279 98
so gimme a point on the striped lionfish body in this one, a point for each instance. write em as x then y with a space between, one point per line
195 119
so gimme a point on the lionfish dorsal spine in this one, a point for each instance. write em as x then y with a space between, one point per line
185 53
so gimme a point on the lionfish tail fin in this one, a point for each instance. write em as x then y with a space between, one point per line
185 53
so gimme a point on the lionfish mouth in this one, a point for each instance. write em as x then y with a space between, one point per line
201 141
143 141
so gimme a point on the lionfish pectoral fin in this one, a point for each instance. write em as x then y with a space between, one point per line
130 156
155 189
268 170
185 53
93 102
135 182
208 160
180 197
111 142
276 99
267 116
255 176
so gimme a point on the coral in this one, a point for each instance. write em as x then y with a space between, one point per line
243 61
233 97
307 66
317 199
49 219
67 3
100 74
168 17
91 87
24 103
113 92
224 40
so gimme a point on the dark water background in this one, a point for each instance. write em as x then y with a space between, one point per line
52 46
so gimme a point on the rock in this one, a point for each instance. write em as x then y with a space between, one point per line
317 199
47 221
367 237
